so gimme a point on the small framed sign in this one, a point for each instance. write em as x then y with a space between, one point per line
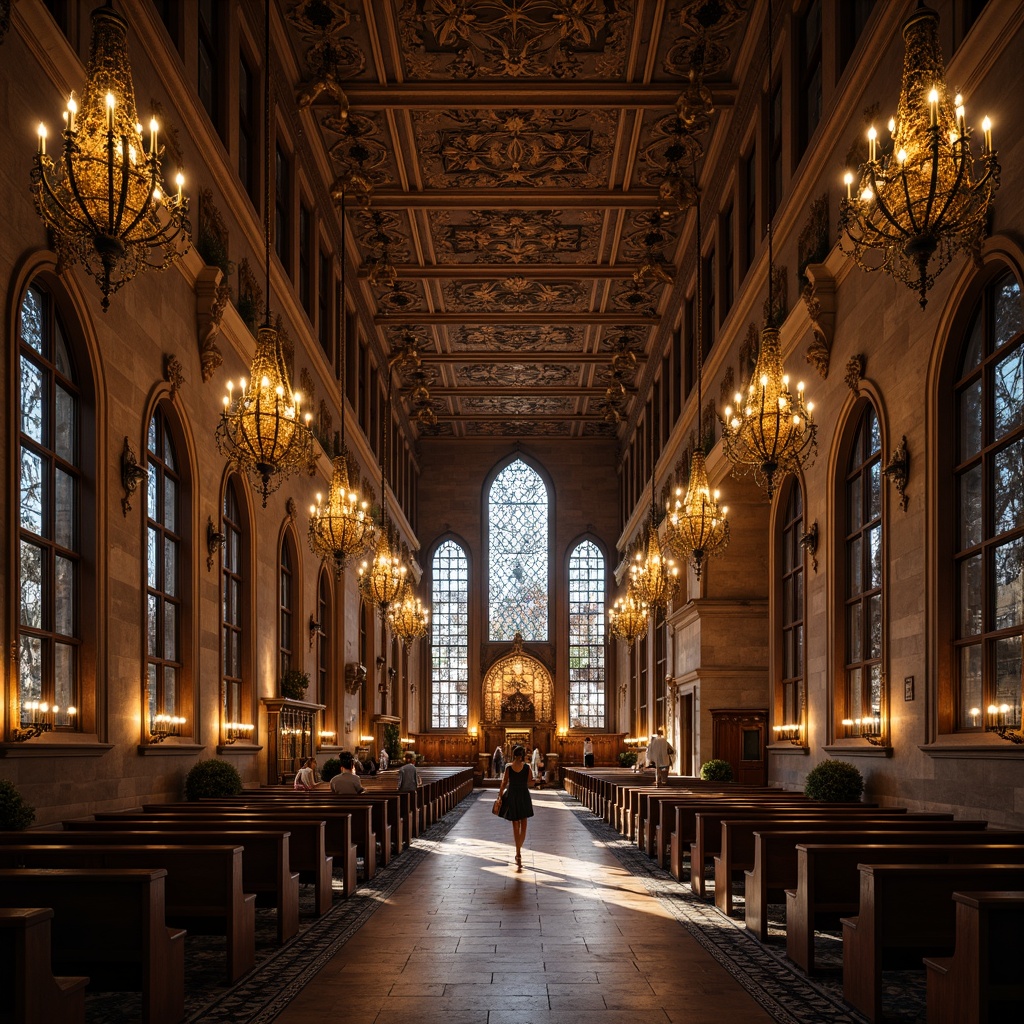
908 687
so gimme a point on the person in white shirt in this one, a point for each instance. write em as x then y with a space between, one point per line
305 777
535 762
382 764
588 753
659 753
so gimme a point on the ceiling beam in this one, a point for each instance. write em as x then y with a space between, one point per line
516 199
488 417
513 318
516 390
457 95
545 271
487 356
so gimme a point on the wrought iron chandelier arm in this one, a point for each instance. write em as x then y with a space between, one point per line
73 183
54 198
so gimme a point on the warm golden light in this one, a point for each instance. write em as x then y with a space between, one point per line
342 528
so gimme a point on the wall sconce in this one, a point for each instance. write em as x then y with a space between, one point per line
131 474
327 738
789 732
898 470
43 719
472 732
368 739
234 731
809 542
1002 723
164 726
562 734
214 542
315 630
869 729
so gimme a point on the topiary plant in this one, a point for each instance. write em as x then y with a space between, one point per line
834 781
214 778
716 770
331 767
294 684
393 742
15 814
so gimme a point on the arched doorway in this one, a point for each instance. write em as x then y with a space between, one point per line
518 702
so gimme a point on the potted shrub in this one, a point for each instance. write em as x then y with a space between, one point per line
294 684
393 743
330 768
214 778
627 758
833 781
716 770
15 814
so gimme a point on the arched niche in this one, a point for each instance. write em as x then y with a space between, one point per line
518 688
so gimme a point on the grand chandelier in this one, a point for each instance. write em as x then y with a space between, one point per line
408 618
917 202
105 198
695 527
261 429
770 432
628 619
343 528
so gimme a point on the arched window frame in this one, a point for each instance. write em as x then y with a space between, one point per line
288 604
491 566
73 544
164 426
324 662
980 649
849 596
587 635
236 604
449 662
789 613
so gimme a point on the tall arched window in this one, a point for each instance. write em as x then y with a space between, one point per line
50 486
324 639
586 637
234 595
989 538
286 611
791 609
517 519
164 525
863 548
449 637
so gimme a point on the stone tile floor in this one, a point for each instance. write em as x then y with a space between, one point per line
571 938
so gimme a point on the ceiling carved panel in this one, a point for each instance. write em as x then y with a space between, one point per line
518 339
517 428
514 294
517 375
515 148
517 39
519 405
516 236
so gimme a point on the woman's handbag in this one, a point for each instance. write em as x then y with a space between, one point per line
496 806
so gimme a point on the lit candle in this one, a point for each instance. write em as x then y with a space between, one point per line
154 127
110 111
933 107
72 110
179 180
872 142
986 127
961 114
892 125
974 713
42 139
848 179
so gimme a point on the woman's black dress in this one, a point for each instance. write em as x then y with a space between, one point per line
516 803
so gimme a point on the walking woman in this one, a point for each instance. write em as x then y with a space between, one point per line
517 806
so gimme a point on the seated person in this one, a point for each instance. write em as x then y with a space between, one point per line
345 783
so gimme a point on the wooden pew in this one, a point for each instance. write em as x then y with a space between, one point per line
125 948
776 860
828 880
907 913
202 892
307 843
266 860
26 975
737 843
982 980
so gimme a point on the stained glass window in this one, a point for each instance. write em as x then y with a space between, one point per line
50 479
864 571
586 637
989 542
517 516
449 638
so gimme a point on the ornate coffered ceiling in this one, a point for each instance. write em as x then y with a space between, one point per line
516 175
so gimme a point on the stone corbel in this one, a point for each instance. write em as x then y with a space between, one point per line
855 373
897 471
819 296
212 295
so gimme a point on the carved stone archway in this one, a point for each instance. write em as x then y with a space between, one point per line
518 688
